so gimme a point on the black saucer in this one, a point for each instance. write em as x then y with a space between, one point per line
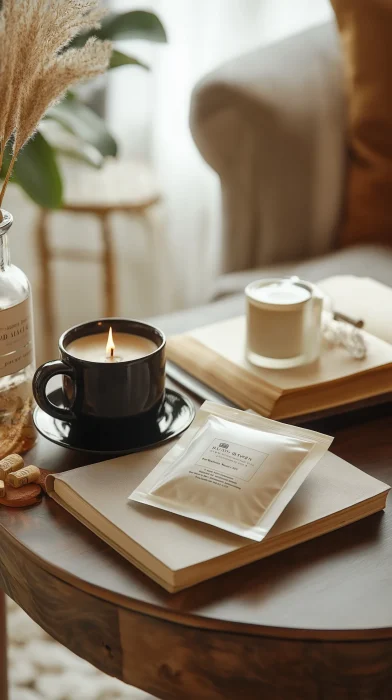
176 414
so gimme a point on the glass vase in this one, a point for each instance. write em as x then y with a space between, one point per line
17 361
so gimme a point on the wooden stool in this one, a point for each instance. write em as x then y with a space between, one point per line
120 186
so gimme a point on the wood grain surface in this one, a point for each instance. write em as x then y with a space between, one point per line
312 622
3 649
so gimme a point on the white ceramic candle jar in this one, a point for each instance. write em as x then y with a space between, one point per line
283 322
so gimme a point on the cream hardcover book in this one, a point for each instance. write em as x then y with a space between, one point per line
178 552
215 355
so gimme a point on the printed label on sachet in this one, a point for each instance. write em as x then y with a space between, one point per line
231 460
16 346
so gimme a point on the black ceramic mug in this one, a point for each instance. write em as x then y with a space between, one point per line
100 391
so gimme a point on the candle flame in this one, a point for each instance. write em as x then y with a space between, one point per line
110 346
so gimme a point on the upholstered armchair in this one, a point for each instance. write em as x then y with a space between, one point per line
272 125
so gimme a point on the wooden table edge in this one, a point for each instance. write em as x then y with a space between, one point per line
193 620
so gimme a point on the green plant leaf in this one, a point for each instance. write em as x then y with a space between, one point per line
83 153
67 144
36 171
119 59
6 161
136 24
80 120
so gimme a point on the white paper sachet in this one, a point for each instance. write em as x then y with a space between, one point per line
234 470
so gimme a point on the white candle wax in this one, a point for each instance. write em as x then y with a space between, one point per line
128 347
285 293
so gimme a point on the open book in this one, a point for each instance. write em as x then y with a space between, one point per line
215 355
178 552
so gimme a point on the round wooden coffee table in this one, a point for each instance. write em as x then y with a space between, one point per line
312 622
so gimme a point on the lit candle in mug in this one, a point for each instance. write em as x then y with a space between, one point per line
125 347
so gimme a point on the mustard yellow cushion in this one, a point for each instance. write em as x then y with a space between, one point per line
365 27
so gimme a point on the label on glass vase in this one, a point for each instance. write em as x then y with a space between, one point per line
16 346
